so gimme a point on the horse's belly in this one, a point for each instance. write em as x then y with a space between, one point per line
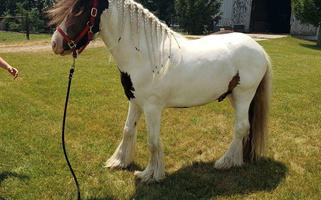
198 94
191 101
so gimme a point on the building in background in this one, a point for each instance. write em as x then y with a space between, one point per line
264 16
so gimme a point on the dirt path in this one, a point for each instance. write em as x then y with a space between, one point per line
44 45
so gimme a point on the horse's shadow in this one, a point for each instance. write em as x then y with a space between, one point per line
203 181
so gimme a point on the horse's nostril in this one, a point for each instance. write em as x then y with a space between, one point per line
54 45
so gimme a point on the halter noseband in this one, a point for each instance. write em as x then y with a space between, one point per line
88 29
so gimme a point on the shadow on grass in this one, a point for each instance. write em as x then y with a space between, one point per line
106 198
203 181
310 46
6 175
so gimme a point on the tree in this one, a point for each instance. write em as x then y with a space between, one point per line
198 16
163 9
35 10
309 12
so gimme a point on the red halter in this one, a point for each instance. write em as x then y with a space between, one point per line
87 30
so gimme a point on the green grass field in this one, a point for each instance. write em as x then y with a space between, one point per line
11 37
32 164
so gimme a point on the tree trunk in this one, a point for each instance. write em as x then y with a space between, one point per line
319 37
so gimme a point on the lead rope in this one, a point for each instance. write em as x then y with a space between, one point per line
63 127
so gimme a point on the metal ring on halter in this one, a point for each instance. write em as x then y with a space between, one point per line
94 12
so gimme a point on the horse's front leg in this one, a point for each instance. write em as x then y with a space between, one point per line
155 168
125 152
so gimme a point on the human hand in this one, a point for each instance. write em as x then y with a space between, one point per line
13 71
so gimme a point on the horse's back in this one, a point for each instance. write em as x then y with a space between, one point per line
229 41
207 66
238 49
230 51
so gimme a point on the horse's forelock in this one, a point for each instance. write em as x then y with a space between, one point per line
63 8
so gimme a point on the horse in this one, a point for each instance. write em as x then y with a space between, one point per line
160 69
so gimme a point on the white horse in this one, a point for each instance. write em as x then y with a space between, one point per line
161 68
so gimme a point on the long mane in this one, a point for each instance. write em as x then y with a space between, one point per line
155 31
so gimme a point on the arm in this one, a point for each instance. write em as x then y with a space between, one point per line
11 70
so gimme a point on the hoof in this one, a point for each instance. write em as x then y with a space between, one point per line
148 176
226 163
114 164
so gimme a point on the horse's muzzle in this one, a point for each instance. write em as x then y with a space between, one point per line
57 44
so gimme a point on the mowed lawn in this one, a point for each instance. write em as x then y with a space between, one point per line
32 164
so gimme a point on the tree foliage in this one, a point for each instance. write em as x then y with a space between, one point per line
197 16
35 9
163 9
309 12
193 16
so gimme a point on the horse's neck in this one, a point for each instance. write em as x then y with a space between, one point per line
133 34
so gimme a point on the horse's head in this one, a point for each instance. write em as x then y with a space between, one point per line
80 21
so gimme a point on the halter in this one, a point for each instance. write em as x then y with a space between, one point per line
87 30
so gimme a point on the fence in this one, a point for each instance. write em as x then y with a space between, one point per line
27 23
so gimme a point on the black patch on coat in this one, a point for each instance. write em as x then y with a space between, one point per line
101 7
127 85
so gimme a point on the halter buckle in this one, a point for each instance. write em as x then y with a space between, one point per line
72 45
90 27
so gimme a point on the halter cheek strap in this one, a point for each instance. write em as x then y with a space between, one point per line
87 30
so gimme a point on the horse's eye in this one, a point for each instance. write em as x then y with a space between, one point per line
75 10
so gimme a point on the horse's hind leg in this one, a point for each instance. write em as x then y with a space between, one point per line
125 152
240 101
155 168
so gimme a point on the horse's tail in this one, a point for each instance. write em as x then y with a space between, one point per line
254 145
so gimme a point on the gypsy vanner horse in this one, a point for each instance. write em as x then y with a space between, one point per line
162 69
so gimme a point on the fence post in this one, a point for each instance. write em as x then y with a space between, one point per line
27 26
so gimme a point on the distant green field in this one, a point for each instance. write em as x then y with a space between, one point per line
32 164
6 37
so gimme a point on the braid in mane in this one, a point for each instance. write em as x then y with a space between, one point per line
142 22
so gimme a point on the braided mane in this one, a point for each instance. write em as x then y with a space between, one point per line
145 22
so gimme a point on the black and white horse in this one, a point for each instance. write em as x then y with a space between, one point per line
162 69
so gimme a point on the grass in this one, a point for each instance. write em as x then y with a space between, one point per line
33 167
14 40
10 37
